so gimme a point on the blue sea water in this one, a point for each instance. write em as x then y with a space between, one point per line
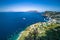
11 23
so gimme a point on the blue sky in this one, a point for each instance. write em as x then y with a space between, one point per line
26 5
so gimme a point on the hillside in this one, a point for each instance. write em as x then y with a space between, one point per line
41 31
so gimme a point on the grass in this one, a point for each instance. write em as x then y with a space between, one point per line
41 30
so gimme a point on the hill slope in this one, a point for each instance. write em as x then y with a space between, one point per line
41 31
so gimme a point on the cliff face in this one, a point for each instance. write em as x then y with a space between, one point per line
53 15
40 31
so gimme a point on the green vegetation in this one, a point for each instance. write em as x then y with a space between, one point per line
41 32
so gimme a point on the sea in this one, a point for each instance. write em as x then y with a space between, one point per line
12 23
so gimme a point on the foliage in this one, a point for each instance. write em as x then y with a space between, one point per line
50 32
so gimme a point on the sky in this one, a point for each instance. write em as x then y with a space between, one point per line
28 5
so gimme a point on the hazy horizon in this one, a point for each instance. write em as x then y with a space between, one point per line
27 5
